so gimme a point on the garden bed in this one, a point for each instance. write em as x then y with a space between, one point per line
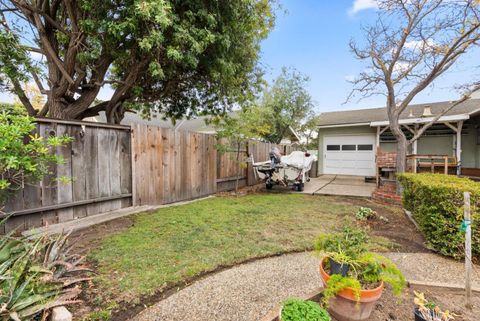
392 308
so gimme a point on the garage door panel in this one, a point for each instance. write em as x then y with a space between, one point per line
349 155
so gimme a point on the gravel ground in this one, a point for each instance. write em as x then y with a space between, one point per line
429 267
242 293
247 292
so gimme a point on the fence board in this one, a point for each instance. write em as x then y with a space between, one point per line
98 162
176 167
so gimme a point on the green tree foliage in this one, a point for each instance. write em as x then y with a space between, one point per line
169 56
287 103
24 157
236 129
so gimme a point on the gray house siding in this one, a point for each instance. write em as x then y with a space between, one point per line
438 145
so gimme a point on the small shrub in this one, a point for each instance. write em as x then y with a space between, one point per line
24 157
300 310
365 213
436 202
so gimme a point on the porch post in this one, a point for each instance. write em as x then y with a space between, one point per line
414 145
377 137
458 147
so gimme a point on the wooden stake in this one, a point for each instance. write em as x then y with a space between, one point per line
468 249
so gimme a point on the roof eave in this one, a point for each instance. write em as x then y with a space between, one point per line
343 125
422 120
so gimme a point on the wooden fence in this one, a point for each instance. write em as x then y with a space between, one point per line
171 166
98 162
113 167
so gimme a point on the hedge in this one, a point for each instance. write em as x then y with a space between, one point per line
436 202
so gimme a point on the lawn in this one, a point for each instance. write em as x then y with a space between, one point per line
174 244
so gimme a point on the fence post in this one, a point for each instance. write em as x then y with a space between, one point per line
468 249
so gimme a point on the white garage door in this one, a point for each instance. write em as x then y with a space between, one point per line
349 155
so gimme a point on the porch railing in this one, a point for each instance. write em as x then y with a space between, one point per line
433 163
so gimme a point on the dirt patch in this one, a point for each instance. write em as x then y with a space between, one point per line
394 226
391 308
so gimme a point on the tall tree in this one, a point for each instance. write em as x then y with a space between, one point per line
412 44
287 103
176 57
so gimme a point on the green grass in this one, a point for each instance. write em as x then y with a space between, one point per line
175 243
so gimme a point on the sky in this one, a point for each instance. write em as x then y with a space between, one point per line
313 36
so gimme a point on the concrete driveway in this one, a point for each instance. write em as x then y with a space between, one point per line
339 185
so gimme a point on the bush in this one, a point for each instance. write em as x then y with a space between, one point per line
436 202
24 157
300 310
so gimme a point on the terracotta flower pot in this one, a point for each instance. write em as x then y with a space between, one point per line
344 306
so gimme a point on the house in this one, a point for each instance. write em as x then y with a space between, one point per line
197 124
350 141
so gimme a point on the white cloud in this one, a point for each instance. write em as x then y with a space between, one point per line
418 44
350 78
359 5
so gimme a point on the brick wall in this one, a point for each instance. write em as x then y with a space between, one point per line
386 193
386 159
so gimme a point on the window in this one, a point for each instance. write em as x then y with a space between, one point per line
349 147
333 147
365 147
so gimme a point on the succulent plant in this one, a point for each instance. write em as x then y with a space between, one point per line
37 274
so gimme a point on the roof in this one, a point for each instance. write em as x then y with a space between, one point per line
366 116
194 125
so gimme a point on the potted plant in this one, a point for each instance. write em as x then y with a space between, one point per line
428 311
352 297
301 310
341 248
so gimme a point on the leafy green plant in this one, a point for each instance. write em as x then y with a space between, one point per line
366 268
351 242
376 268
436 202
338 283
365 214
301 310
24 157
36 275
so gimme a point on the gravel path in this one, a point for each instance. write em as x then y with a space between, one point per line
433 268
248 291
242 293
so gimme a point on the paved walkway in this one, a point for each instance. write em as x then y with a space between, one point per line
339 185
248 291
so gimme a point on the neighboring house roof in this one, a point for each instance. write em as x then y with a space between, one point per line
194 125
368 116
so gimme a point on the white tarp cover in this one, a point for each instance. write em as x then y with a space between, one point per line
299 160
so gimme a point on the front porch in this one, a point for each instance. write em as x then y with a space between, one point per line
450 146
